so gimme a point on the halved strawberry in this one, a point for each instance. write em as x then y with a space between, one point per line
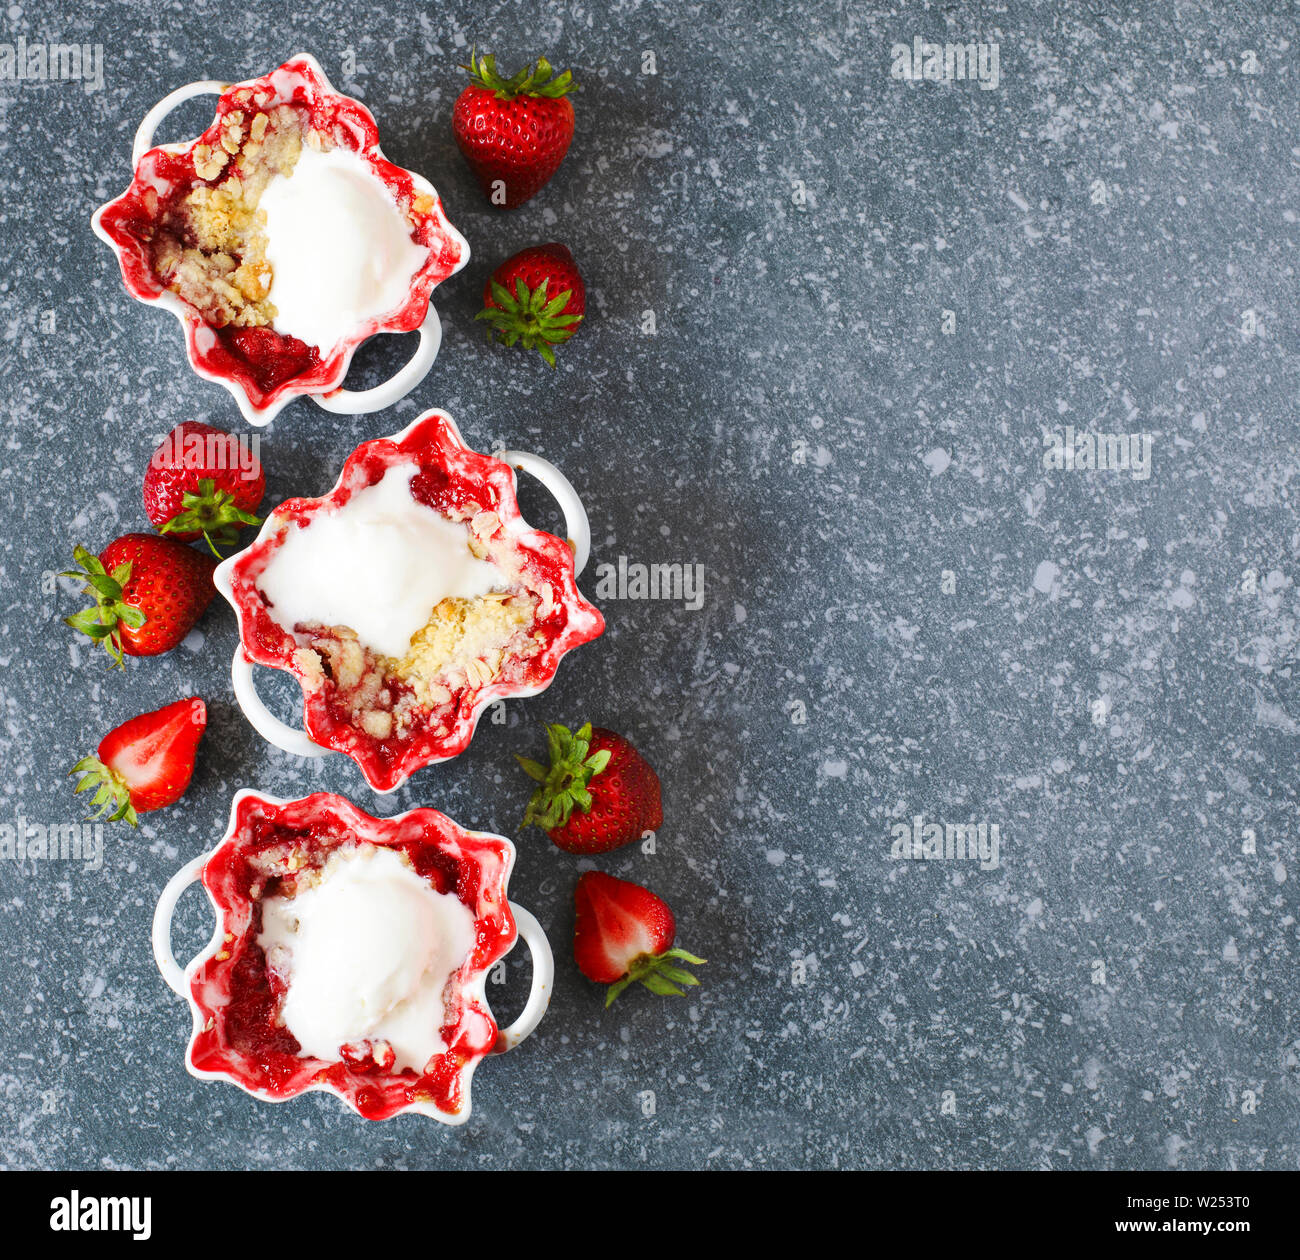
145 763
598 793
623 933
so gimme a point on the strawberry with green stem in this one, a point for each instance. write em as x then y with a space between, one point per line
513 132
623 934
535 298
148 591
144 764
203 482
597 794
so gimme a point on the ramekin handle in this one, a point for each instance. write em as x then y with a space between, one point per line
162 924
575 515
350 402
539 996
144 133
267 725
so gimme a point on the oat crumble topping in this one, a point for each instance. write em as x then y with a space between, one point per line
210 247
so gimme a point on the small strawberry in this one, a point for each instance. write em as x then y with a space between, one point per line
624 933
202 482
149 592
513 132
145 763
598 794
536 298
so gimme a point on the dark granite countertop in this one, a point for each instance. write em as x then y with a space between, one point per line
876 301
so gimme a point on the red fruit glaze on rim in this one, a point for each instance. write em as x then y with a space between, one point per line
235 1035
451 475
267 367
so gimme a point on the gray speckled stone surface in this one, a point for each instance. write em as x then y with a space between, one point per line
1108 674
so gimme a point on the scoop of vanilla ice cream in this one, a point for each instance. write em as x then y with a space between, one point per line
379 565
366 954
340 249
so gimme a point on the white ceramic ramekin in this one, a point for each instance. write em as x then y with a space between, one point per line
443 1095
300 81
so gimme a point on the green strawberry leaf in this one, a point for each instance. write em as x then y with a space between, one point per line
562 786
212 513
657 984
615 989
536 80
680 974
112 796
103 622
658 975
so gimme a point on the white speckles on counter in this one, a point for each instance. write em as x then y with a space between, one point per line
871 300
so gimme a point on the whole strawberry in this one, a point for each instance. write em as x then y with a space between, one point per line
149 592
145 763
623 934
203 482
513 132
598 794
536 298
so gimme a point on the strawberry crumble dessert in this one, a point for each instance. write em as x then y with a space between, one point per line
288 232
400 606
283 235
351 955
407 599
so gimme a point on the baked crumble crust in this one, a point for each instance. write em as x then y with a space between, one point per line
210 246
